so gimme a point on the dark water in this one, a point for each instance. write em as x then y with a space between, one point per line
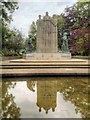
45 97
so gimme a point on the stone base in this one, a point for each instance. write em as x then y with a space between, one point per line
48 56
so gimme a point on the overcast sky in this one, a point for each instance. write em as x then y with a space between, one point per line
28 11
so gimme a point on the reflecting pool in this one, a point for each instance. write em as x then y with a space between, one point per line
45 97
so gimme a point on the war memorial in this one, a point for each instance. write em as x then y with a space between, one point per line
47 42
47 59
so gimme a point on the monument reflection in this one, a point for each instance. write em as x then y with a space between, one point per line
46 94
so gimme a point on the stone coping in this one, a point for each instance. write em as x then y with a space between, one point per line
47 61
46 72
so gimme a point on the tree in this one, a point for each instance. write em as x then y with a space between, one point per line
60 27
7 9
32 35
77 25
12 40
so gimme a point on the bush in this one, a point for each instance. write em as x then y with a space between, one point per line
6 52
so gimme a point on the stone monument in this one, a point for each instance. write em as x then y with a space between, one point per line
46 35
46 41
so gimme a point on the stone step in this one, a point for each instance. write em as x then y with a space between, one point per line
43 66
48 61
21 63
47 64
44 71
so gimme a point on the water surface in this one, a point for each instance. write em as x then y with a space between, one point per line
45 97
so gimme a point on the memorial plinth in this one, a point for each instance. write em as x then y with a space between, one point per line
48 56
47 42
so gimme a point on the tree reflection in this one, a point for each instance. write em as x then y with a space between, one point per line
9 107
76 91
31 85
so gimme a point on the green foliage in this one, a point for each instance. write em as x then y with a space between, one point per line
13 42
60 28
32 30
7 9
32 36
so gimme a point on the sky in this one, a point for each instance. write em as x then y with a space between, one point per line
28 12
